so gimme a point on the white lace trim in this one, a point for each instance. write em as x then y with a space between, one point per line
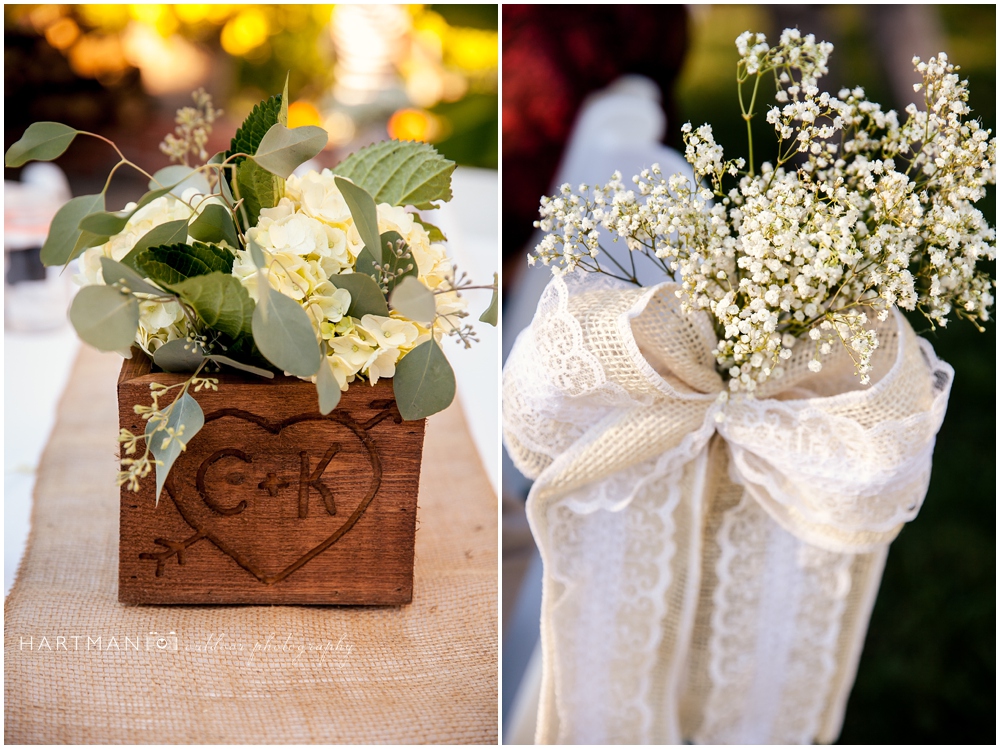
609 400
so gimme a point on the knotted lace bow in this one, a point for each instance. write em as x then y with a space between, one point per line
710 564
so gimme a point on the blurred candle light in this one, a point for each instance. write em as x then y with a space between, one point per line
245 32
168 66
368 39
340 128
301 113
413 124
62 33
191 13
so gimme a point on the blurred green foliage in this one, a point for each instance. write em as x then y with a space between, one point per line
928 671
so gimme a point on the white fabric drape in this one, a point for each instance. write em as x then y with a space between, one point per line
710 564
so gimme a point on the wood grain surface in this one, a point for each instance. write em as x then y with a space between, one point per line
271 502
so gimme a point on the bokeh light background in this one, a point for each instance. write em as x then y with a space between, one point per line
364 73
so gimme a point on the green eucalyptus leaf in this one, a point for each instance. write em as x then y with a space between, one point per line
284 334
400 173
179 355
61 245
424 382
184 412
111 223
283 112
105 223
434 234
257 254
87 240
42 141
490 315
104 317
282 149
365 215
177 178
258 188
366 296
215 224
241 366
395 254
116 273
170 233
327 388
413 300
220 300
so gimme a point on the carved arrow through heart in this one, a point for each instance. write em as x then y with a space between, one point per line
308 479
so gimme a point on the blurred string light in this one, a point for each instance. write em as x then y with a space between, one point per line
391 63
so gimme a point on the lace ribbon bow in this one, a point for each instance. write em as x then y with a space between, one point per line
710 563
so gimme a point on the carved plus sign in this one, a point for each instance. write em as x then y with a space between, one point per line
272 484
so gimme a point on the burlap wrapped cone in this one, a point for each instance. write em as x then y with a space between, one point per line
710 563
421 673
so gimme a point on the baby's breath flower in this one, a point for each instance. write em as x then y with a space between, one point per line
876 214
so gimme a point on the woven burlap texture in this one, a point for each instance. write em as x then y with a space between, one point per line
421 673
710 563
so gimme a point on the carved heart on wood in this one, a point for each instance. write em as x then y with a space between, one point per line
273 496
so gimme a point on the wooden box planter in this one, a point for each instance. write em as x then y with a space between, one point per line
271 502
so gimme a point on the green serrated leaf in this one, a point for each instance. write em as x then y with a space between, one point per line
366 296
179 355
253 187
116 273
249 135
434 234
284 334
258 188
413 300
184 412
241 366
283 149
400 173
104 317
170 233
327 388
42 141
424 382
64 233
215 224
490 315
171 264
220 300
365 215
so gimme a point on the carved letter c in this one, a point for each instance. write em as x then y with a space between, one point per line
200 481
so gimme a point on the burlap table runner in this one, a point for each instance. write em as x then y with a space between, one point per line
422 673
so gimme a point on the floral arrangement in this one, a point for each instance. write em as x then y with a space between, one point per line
239 263
859 213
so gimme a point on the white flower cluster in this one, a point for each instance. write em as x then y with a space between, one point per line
159 322
307 238
858 214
